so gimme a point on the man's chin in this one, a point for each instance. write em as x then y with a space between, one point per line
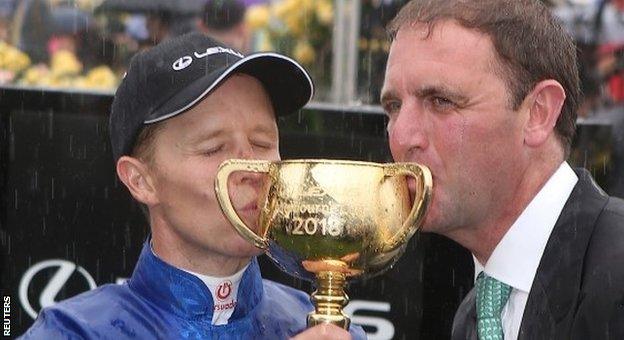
430 223
252 252
246 249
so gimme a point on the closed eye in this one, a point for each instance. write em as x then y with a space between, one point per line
262 145
213 151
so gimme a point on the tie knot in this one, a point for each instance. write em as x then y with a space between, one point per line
492 295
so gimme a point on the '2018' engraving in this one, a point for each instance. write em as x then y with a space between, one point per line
313 226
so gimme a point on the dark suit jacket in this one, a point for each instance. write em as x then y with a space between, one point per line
578 290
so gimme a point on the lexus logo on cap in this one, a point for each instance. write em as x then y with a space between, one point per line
224 290
63 275
185 61
182 63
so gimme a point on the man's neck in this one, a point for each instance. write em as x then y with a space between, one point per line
194 259
482 239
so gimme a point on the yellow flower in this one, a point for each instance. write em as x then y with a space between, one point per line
295 25
306 5
65 63
324 12
101 77
12 59
286 8
294 14
35 75
258 16
304 52
80 82
65 82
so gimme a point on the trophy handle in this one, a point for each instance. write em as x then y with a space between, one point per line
221 190
424 181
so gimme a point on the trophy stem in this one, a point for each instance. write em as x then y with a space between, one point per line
328 300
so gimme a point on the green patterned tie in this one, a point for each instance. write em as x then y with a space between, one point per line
492 295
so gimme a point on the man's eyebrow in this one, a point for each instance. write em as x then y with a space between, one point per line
440 91
205 135
264 129
387 96
427 91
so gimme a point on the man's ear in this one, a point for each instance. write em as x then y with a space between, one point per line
545 103
136 177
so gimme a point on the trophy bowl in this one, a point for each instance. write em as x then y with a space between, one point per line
329 221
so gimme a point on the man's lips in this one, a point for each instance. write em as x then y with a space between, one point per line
411 184
413 189
251 207
249 214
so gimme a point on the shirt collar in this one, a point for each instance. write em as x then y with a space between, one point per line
183 293
515 259
212 281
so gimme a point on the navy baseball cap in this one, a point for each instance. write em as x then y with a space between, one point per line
175 75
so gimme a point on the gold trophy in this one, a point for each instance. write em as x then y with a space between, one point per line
331 220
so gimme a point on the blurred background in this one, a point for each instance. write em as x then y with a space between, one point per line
86 44
68 225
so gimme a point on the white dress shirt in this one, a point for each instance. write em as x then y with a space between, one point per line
516 258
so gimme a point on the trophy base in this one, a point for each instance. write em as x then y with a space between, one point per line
328 300
342 321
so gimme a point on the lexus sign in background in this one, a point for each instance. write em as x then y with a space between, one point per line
67 225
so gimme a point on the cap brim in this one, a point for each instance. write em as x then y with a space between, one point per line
289 86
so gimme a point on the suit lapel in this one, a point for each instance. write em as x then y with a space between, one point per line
465 321
554 293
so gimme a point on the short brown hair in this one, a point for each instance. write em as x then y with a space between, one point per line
144 145
144 151
530 44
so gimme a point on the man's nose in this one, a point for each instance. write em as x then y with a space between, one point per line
407 132
252 179
246 151
245 184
